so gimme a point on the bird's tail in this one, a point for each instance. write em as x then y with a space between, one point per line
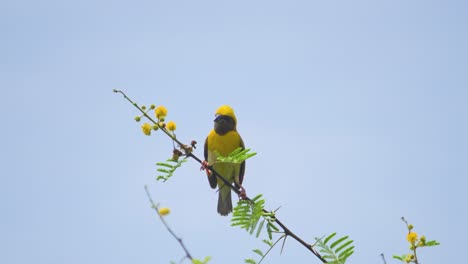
224 201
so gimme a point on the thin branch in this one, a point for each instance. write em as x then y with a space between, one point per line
264 255
409 230
155 207
383 258
188 153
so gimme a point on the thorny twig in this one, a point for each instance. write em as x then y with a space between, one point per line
188 152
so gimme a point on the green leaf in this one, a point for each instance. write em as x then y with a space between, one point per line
160 178
259 252
237 156
329 237
207 258
255 199
343 246
259 229
402 257
431 243
268 242
273 227
247 215
338 241
250 261
346 253
164 165
343 250
168 169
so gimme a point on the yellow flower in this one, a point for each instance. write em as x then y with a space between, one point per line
412 237
146 128
171 126
164 211
409 258
160 112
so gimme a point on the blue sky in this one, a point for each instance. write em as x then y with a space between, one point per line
357 110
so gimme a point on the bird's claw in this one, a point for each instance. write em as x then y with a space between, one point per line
206 166
242 193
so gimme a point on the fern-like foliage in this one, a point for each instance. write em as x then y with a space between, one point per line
168 168
247 215
336 252
431 243
237 156
260 253
402 258
197 261
251 216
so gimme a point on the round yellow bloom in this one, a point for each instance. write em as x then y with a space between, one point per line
409 258
146 128
171 126
164 211
412 237
160 112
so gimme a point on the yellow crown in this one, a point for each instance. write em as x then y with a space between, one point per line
227 111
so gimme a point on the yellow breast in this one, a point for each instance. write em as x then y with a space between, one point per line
224 144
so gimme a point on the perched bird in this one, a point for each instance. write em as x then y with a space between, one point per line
222 140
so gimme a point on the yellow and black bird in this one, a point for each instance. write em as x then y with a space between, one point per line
222 140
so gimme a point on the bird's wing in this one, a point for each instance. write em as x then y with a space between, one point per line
205 149
242 167
212 178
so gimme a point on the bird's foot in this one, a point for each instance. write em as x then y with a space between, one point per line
206 167
242 193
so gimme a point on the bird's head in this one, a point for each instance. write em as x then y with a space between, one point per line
225 120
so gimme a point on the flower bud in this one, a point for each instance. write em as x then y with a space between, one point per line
409 258
137 118
164 211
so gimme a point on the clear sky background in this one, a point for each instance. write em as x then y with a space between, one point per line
357 109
